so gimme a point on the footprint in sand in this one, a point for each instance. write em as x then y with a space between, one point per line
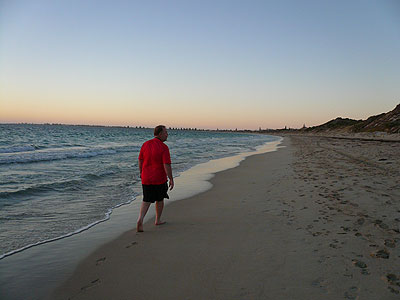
100 261
380 224
381 254
394 282
393 290
365 272
351 293
319 283
390 243
333 246
90 285
362 265
360 221
344 228
131 244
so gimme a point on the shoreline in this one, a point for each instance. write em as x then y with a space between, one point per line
137 193
54 261
310 206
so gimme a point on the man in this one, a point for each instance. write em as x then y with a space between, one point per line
155 167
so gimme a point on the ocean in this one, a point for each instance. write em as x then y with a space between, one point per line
59 180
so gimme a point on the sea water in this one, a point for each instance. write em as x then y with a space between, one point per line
59 180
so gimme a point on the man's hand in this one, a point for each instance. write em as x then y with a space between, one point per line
168 170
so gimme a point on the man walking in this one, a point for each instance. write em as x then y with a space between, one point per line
155 167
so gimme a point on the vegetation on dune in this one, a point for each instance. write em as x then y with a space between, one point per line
386 122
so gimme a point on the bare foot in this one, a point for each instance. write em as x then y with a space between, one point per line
160 223
139 227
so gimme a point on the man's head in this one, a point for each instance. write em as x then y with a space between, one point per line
161 132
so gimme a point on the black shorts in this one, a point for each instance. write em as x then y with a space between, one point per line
153 193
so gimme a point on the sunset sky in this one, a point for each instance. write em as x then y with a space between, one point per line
204 64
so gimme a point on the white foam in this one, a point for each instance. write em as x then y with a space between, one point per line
17 149
106 217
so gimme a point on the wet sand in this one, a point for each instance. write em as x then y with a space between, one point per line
317 219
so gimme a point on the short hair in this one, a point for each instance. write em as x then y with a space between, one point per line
158 129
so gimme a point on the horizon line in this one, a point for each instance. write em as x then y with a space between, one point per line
135 126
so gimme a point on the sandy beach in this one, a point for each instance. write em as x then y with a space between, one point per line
317 219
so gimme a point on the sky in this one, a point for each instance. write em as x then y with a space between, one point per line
204 64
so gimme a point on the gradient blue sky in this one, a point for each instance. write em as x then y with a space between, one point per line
205 64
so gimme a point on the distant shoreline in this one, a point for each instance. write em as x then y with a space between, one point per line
135 127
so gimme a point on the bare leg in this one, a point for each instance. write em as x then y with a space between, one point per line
159 209
143 210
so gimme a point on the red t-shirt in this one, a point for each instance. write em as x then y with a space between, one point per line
154 154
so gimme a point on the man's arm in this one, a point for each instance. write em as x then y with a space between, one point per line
168 170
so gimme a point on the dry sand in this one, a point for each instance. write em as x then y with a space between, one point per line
318 219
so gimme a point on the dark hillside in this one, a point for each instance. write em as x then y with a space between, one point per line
387 122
